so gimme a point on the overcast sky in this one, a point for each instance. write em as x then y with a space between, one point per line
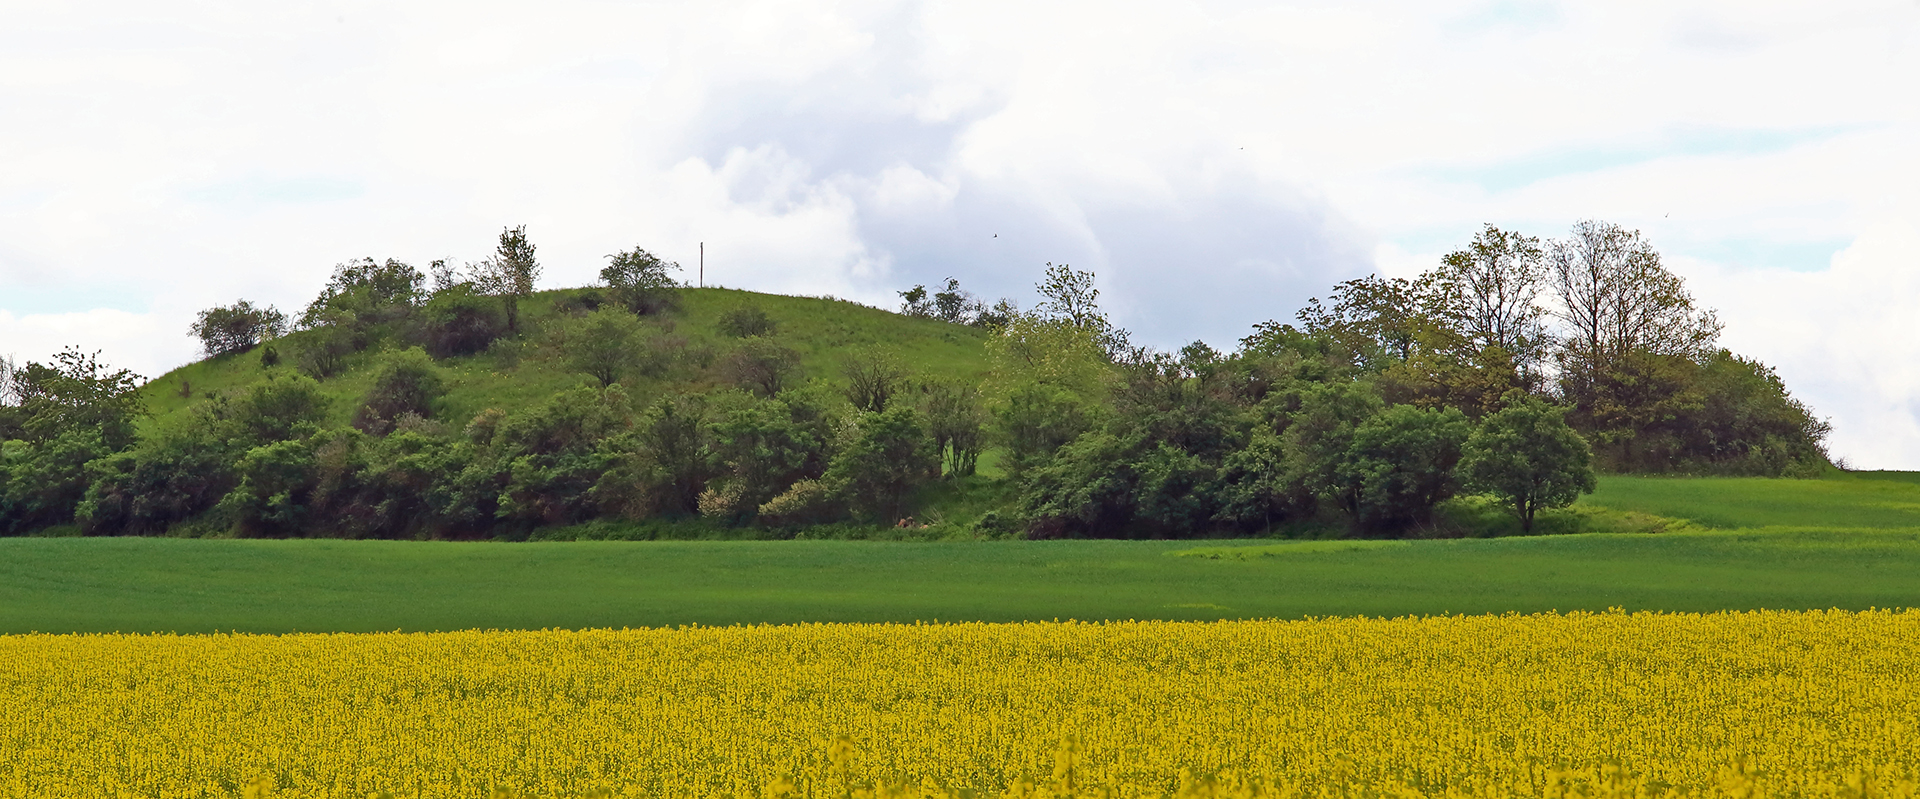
1214 163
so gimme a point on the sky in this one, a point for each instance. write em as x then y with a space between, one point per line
1215 164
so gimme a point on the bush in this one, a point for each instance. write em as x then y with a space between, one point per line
1400 465
237 327
747 321
873 377
762 366
325 347
406 384
638 279
603 344
459 321
882 457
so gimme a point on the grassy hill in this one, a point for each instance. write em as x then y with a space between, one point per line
514 374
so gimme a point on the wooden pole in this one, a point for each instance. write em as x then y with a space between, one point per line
703 264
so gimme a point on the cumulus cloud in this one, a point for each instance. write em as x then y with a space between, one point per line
1215 163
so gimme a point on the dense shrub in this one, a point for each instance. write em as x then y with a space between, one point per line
406 384
459 321
747 321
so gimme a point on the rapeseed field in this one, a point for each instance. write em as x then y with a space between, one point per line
1739 704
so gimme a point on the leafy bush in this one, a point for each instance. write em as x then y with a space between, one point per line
407 384
761 365
461 322
882 457
747 321
237 327
638 280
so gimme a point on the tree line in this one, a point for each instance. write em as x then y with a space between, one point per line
1513 369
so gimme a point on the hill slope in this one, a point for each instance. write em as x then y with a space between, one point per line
515 374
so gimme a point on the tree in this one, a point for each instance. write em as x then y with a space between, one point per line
882 457
1491 289
873 378
78 392
1070 298
957 424
372 292
509 273
237 327
957 305
761 365
1527 456
914 303
603 344
460 322
333 334
1382 321
1047 380
638 279
1632 331
1616 298
1400 464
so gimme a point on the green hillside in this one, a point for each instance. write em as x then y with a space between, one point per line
515 374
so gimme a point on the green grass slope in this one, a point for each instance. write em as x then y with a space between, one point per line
516 374
1842 500
149 585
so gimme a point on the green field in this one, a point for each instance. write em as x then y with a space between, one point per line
1851 541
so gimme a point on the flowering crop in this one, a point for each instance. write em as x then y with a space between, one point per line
1787 703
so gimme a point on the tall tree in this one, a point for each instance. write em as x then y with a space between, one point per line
1632 335
1071 299
1491 290
1617 299
509 273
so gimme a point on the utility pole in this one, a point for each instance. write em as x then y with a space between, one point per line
703 264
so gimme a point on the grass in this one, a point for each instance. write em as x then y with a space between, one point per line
1845 500
148 585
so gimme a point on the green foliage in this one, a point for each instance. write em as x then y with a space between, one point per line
747 321
638 280
763 447
367 293
882 457
1527 456
604 344
405 384
237 327
508 274
1399 465
873 377
333 335
459 321
957 424
761 365
552 457
42 482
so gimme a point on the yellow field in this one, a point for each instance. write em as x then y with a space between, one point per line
1472 705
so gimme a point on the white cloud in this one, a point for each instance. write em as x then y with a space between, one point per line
1215 162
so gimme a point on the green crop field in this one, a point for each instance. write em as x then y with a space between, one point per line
129 584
